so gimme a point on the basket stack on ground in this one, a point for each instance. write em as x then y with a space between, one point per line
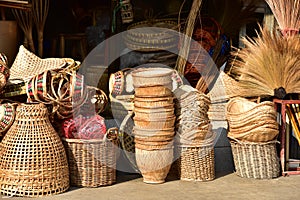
253 130
194 136
154 122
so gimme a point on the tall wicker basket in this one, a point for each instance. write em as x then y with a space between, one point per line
196 163
33 160
92 163
255 160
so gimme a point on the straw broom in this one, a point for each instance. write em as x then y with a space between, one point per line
287 14
269 65
40 10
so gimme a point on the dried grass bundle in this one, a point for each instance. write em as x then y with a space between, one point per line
269 65
287 14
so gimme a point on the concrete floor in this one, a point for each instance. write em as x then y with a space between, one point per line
230 186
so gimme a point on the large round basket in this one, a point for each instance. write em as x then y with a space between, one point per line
255 160
33 160
92 163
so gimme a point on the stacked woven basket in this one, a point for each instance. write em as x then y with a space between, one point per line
194 136
154 122
253 130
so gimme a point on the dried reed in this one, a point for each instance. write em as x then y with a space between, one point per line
188 31
287 14
269 65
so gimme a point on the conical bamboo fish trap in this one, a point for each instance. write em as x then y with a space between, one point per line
33 160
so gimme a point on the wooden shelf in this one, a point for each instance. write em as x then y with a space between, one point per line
284 160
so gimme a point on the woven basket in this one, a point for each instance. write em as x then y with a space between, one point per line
27 64
92 163
161 124
195 160
33 160
145 77
154 165
255 160
154 91
153 102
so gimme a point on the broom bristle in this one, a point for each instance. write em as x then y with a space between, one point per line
287 14
268 63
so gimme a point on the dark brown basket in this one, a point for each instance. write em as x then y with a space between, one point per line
255 160
92 163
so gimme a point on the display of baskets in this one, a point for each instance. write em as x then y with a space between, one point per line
92 162
33 160
255 160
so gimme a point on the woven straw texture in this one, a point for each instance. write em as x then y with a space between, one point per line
255 160
92 163
250 121
27 64
192 122
154 164
196 163
33 160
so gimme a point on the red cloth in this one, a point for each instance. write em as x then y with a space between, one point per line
84 128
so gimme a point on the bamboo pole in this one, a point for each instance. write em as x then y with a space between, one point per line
40 10
186 41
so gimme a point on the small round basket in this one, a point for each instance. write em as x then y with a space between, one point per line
145 77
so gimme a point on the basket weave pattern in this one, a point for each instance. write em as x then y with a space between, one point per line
196 163
252 122
33 160
255 160
92 163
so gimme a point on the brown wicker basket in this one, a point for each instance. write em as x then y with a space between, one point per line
33 160
154 91
196 163
92 163
255 160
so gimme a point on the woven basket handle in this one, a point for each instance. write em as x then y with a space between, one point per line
112 135
124 123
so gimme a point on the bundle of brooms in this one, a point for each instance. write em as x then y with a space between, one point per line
269 65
